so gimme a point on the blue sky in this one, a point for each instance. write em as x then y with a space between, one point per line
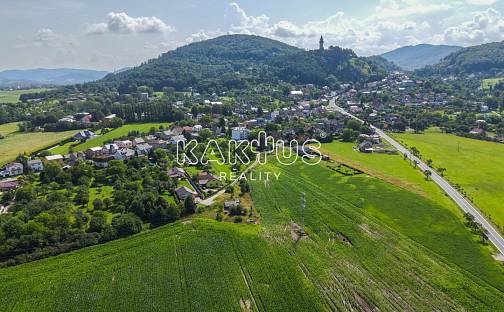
111 34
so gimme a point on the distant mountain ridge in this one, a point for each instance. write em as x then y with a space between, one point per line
236 60
43 76
418 56
485 59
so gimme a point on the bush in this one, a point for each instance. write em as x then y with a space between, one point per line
238 219
127 224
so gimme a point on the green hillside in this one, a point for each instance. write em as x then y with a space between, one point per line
233 61
486 58
418 56
370 245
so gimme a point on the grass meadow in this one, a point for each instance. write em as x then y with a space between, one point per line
13 96
15 143
477 166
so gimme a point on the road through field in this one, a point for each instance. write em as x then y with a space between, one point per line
493 235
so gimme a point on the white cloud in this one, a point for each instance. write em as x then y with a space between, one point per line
394 8
393 23
240 22
486 26
375 34
203 35
481 2
122 23
44 35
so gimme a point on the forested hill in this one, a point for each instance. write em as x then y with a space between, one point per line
237 60
486 58
418 56
382 62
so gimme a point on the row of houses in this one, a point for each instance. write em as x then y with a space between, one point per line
127 149
16 168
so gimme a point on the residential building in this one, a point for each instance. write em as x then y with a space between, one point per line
143 149
183 192
240 133
124 154
176 172
35 165
84 135
177 138
56 157
12 170
9 185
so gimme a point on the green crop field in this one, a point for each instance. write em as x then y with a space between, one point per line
114 134
13 96
16 143
486 84
477 166
370 244
391 168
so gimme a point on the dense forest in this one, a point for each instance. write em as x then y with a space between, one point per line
234 61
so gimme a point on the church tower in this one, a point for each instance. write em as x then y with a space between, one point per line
321 43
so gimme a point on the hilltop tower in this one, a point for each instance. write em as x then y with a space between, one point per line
321 43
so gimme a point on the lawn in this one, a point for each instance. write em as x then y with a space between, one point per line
477 166
370 245
13 96
114 134
102 192
8 128
17 143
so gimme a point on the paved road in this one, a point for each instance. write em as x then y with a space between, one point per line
493 235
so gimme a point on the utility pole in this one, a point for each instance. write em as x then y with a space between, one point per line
303 206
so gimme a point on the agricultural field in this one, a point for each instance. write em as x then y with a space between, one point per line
200 265
13 96
477 166
486 84
114 134
391 168
370 244
16 143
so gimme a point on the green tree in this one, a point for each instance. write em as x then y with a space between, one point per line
189 205
127 224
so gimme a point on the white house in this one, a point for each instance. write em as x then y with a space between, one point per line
124 154
144 96
138 141
240 133
84 135
35 165
143 149
111 148
12 169
177 138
